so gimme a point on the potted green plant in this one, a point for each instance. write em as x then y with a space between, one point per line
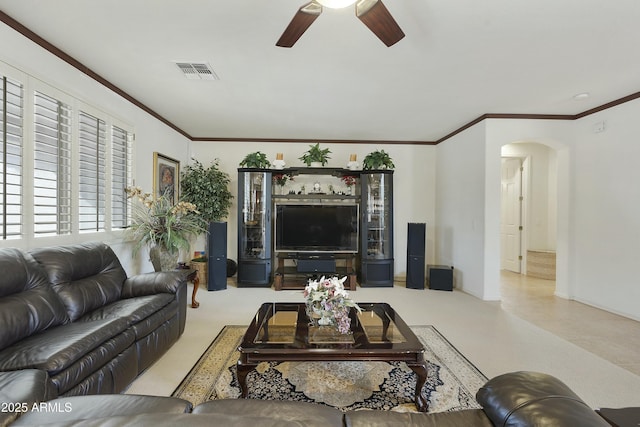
256 160
162 226
315 156
208 189
378 159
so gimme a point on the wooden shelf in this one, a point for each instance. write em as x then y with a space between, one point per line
288 278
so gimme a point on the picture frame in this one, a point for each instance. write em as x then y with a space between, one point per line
166 177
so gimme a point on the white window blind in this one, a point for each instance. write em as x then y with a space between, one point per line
11 130
120 176
92 166
52 166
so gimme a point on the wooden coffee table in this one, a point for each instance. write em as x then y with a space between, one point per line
280 332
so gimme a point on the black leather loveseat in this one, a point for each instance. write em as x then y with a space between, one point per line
72 323
515 399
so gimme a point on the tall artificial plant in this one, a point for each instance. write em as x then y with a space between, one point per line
208 189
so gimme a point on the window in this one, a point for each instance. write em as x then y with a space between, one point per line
92 166
52 166
11 125
120 176
64 165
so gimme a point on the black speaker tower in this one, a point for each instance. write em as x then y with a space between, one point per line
416 235
217 254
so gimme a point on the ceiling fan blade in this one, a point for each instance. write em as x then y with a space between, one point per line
302 20
377 18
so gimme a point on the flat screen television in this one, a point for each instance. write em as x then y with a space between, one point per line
316 228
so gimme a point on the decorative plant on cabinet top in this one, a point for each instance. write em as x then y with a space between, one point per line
256 160
316 155
378 159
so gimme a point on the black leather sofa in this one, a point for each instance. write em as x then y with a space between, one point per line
72 323
515 399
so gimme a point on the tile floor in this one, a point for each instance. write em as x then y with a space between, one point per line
610 336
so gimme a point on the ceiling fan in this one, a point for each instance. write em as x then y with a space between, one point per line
372 13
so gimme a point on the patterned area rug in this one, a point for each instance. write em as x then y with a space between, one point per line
452 383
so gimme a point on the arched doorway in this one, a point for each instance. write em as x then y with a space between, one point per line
503 132
528 229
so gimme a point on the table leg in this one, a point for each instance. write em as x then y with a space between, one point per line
196 285
242 369
420 368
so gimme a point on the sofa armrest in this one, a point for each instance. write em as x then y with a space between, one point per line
532 399
168 282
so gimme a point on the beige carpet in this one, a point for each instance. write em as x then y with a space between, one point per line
451 385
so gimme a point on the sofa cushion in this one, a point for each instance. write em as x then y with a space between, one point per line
182 420
78 408
28 305
56 349
532 398
302 413
371 418
85 276
144 314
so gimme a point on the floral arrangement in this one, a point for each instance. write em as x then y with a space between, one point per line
328 303
158 222
281 179
349 180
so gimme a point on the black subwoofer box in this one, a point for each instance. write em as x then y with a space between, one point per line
440 277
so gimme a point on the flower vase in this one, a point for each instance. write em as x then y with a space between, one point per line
162 259
325 321
318 316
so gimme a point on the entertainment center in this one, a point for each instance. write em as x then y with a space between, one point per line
327 230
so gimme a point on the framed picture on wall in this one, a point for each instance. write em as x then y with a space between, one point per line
166 177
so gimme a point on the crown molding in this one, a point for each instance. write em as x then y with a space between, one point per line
314 141
26 32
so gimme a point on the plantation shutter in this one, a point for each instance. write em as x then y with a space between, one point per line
52 166
11 128
92 164
120 176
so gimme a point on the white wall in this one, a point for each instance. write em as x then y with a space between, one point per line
606 208
151 135
414 182
460 212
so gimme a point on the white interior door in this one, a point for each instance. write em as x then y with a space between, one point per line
511 214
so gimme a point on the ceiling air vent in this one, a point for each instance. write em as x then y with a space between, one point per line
197 71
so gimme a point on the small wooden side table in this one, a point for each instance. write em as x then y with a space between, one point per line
192 276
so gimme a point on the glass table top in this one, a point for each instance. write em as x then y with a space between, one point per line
286 325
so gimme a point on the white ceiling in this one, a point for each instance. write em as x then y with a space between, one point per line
459 60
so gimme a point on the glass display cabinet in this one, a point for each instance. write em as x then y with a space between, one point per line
254 227
376 228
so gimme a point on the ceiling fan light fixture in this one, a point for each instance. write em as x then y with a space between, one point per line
336 4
